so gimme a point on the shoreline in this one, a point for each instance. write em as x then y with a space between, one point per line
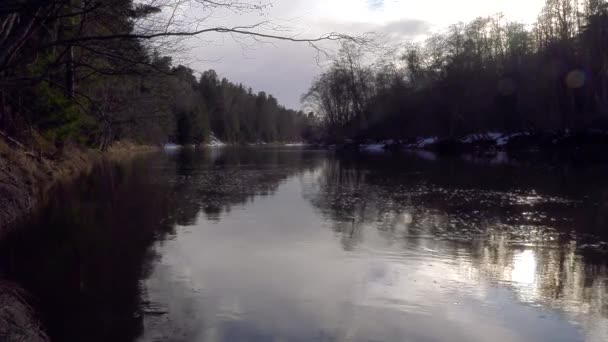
25 178
18 320
25 182
488 144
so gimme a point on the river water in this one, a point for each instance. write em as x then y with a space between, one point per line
297 245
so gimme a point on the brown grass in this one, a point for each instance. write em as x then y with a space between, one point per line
17 320
26 176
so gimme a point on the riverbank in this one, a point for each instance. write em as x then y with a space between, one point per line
18 322
25 177
25 181
489 143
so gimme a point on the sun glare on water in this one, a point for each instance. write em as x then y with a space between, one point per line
524 267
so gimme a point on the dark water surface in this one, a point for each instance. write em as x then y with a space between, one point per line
293 245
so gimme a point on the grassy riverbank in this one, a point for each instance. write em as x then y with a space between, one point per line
17 320
25 181
26 177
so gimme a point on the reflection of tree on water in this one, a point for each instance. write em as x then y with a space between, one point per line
213 182
83 258
528 203
496 223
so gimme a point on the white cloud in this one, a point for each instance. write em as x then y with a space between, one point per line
286 69
375 4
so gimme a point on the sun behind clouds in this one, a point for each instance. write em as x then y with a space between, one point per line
439 13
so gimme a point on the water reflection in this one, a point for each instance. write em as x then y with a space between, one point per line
284 245
511 230
83 256
214 180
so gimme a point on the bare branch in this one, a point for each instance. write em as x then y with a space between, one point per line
332 36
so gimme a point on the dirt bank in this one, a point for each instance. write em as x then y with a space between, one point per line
17 320
25 180
26 177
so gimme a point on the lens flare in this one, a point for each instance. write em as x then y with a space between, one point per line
575 79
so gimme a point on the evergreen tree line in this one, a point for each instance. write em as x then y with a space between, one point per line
486 75
90 72
232 112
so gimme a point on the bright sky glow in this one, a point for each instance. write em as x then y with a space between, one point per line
437 12
286 70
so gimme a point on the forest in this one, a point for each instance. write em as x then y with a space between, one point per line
489 75
88 73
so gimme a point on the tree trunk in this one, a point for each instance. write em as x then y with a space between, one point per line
3 110
69 73
13 42
70 32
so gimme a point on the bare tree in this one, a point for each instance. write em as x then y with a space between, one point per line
71 44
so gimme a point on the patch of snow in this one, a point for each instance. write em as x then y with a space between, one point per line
171 146
375 148
470 138
214 141
494 135
501 139
295 144
506 138
427 141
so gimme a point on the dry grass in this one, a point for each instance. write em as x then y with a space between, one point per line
17 175
25 177
17 321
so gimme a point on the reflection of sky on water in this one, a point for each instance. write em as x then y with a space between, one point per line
523 272
279 269
278 245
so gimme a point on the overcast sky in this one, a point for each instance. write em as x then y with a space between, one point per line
287 69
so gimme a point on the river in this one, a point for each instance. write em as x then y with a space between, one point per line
277 244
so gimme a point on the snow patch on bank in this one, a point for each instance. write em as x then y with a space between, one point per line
504 140
171 146
424 142
214 141
373 148
472 138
